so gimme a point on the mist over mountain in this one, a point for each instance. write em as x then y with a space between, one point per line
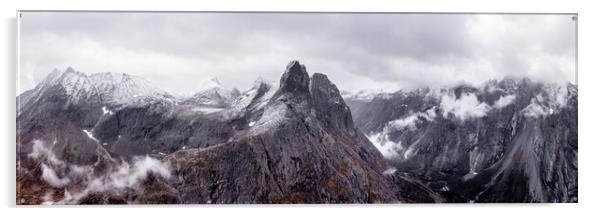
111 138
511 140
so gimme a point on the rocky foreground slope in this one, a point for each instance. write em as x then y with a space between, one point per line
82 142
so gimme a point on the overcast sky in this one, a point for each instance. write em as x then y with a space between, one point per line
180 51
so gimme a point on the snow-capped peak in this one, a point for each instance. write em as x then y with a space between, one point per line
103 87
213 94
75 84
211 83
121 87
261 80
52 77
254 98
365 95
69 70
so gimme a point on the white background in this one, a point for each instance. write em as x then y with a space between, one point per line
589 105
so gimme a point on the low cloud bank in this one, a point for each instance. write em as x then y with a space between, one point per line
552 99
78 181
385 146
504 101
465 107
413 119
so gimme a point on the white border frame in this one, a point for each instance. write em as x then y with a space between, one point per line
589 99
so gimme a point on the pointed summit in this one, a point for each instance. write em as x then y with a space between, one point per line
295 80
69 70
213 94
51 77
261 84
262 81
117 87
211 83
330 106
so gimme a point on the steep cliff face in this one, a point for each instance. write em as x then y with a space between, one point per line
506 141
330 107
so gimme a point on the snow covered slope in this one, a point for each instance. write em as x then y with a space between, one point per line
213 94
106 88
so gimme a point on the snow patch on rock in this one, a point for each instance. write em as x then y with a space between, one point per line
271 118
207 110
105 111
90 135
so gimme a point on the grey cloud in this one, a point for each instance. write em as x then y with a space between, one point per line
179 50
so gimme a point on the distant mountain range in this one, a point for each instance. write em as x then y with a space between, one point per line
506 141
112 138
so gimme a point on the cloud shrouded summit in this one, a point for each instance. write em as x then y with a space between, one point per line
180 51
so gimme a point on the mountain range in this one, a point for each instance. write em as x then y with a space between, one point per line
112 138
512 140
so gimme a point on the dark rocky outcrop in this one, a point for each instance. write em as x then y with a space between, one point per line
294 83
330 107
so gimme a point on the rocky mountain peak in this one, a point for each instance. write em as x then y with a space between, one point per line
211 83
213 94
330 107
112 76
260 81
106 87
262 85
121 87
51 77
69 70
295 79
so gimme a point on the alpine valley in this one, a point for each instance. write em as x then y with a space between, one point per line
114 138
